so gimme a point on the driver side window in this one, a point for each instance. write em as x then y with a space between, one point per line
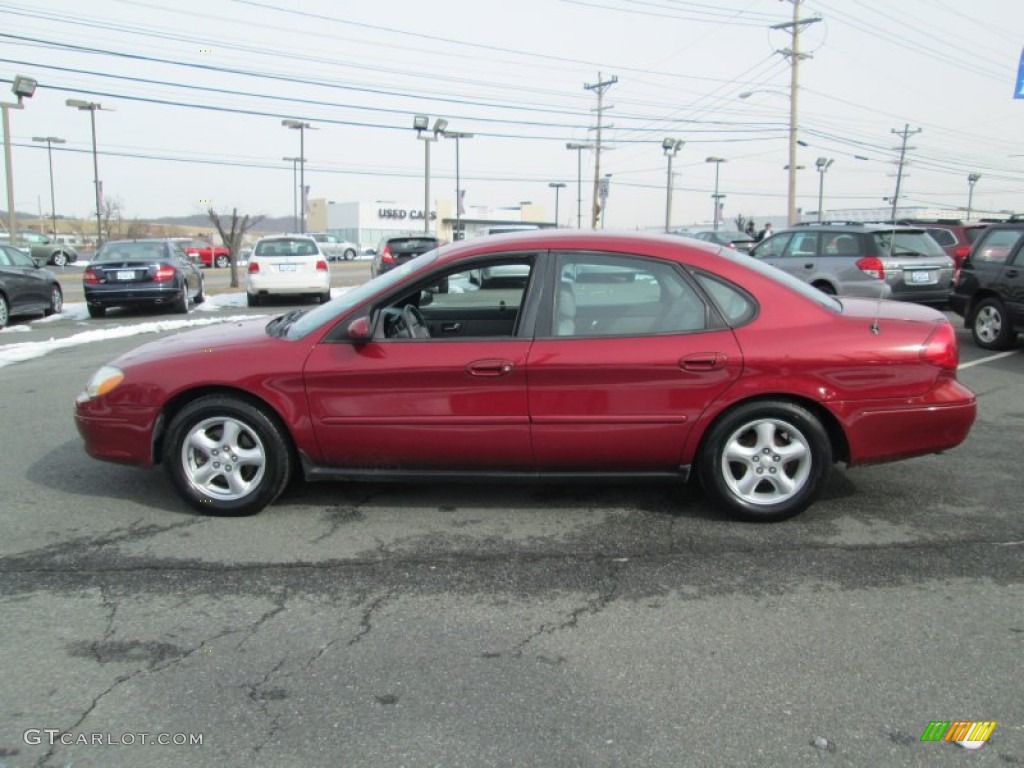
481 302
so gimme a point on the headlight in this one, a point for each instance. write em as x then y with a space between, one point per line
104 381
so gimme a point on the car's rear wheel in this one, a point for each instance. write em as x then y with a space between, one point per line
97 311
59 259
227 456
222 261
765 461
56 301
252 300
990 327
5 312
201 295
349 254
181 303
325 296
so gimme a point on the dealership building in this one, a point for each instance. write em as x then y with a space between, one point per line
366 223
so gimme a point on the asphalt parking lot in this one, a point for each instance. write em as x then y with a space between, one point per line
547 625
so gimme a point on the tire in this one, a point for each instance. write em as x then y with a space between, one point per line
59 259
349 254
825 288
765 461
180 305
252 300
56 301
990 326
97 311
5 311
258 464
201 296
325 296
222 261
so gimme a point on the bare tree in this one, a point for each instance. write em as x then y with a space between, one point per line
111 218
232 229
136 229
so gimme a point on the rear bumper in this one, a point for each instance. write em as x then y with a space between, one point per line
121 296
882 431
280 286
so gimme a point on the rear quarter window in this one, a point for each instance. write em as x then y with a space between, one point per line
996 246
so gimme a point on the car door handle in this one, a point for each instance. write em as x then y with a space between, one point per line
1012 273
489 368
703 361
451 327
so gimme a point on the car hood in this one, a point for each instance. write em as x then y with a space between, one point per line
199 341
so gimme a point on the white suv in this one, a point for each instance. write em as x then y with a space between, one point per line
287 265
334 247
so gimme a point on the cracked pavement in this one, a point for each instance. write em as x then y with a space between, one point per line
507 625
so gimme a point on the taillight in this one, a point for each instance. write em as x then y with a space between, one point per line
386 257
164 273
254 267
321 266
962 252
871 265
940 347
89 277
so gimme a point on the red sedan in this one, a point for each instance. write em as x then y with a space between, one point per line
566 354
208 255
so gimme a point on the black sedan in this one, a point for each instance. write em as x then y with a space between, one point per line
25 287
126 273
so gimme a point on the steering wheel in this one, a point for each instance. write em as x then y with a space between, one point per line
415 322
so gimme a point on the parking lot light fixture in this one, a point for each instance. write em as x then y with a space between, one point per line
822 164
579 147
716 197
92 107
23 87
50 141
301 126
458 136
421 123
671 148
972 179
558 186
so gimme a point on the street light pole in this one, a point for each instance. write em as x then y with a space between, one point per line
22 87
972 179
420 123
579 179
671 148
822 164
557 186
50 141
91 107
458 183
301 127
295 191
716 197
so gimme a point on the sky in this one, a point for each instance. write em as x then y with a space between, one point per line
193 95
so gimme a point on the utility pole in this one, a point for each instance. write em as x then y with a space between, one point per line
794 56
599 88
906 133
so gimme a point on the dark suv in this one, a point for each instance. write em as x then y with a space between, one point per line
398 249
954 236
989 292
883 261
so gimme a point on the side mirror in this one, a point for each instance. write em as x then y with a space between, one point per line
359 330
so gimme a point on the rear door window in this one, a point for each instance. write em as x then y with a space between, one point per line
996 245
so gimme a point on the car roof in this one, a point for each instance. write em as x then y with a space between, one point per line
851 226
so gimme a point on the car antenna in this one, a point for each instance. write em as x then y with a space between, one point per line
875 328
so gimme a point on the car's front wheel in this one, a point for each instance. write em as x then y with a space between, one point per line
5 312
765 461
349 254
222 261
227 456
990 327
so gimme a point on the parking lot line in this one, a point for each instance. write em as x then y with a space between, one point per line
988 359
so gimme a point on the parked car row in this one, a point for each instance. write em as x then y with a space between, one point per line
25 287
43 248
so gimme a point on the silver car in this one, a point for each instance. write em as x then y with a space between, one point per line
867 260
335 248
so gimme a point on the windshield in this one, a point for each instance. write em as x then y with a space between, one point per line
779 276
335 308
